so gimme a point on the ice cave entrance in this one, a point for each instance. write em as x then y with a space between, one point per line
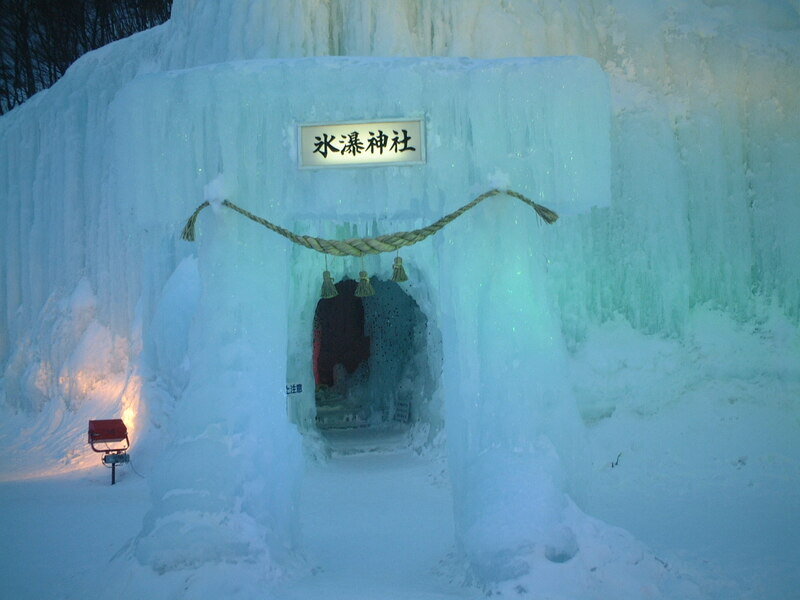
367 358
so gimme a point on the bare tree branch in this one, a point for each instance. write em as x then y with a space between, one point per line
40 39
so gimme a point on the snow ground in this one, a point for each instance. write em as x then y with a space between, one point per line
59 533
376 518
702 434
376 522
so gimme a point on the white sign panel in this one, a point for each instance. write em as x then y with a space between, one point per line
360 143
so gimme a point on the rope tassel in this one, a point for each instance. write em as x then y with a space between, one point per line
364 287
547 215
328 288
188 230
398 272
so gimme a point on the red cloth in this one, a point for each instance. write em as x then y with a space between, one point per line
339 333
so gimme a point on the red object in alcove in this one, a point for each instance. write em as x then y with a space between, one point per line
339 333
317 348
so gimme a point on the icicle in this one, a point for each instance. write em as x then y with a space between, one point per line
364 287
398 272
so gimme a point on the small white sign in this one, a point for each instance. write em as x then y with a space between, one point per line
362 143
294 388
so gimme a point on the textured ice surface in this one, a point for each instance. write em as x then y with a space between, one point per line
704 137
543 123
102 309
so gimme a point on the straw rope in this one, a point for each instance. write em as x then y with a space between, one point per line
376 245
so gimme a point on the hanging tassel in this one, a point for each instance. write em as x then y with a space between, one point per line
364 287
398 272
328 288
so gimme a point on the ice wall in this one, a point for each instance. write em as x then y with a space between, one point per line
73 295
705 137
705 131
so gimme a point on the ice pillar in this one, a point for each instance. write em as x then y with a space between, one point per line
223 491
509 412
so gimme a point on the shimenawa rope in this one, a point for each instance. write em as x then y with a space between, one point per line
376 245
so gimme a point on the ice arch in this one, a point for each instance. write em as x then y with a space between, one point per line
539 124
